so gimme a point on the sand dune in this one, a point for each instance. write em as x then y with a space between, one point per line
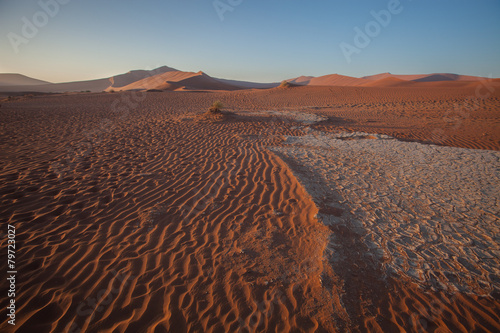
90 85
133 76
408 77
18 80
136 213
396 82
335 80
249 85
425 77
166 78
180 81
386 82
328 80
301 80
448 77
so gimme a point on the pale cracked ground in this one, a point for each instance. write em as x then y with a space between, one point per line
427 212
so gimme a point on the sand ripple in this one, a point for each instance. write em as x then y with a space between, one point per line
161 222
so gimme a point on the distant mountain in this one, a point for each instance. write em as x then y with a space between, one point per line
12 79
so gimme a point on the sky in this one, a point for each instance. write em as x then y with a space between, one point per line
253 40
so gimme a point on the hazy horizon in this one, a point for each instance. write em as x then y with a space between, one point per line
63 41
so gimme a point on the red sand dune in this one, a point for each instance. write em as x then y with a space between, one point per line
249 85
166 78
386 82
448 77
396 82
181 80
301 80
328 80
97 85
336 80
425 77
409 77
134 76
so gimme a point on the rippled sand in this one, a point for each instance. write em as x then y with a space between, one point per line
135 213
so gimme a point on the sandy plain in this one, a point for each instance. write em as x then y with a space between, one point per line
137 213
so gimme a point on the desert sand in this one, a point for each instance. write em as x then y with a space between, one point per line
312 208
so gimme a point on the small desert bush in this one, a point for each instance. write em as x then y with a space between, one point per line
285 84
216 107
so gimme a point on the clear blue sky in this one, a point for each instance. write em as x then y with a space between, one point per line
258 40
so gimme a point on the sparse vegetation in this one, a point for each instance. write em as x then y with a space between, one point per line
216 107
285 84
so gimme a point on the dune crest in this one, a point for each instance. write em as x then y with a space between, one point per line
175 80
